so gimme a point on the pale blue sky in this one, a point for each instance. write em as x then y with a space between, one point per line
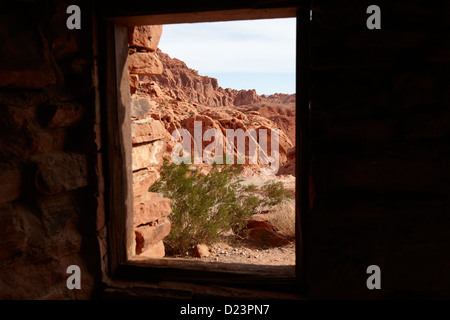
252 54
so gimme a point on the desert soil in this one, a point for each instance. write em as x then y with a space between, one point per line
249 254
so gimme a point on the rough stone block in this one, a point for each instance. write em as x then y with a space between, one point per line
142 180
47 141
147 130
21 137
62 114
150 207
155 251
57 211
146 37
140 106
58 172
13 118
134 83
144 64
149 235
10 181
45 279
13 239
200 251
147 155
25 61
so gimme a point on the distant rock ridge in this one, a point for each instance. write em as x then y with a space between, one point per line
181 82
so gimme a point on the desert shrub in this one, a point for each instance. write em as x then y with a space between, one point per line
206 205
275 193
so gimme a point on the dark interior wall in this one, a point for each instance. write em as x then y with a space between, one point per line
379 124
48 154
379 139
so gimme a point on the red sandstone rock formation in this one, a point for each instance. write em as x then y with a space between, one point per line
262 231
180 96
180 82
279 99
282 115
174 114
244 97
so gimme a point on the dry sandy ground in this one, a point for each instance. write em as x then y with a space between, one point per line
245 253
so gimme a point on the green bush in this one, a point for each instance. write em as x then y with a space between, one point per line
275 193
206 205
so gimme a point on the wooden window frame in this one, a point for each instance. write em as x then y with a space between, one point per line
122 263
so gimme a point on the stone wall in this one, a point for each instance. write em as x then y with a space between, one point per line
49 134
143 60
380 116
151 224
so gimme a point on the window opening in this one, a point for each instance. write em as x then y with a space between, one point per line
237 110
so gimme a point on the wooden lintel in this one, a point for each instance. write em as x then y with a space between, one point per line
206 16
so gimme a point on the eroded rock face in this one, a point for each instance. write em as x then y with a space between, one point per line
175 115
180 82
244 97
